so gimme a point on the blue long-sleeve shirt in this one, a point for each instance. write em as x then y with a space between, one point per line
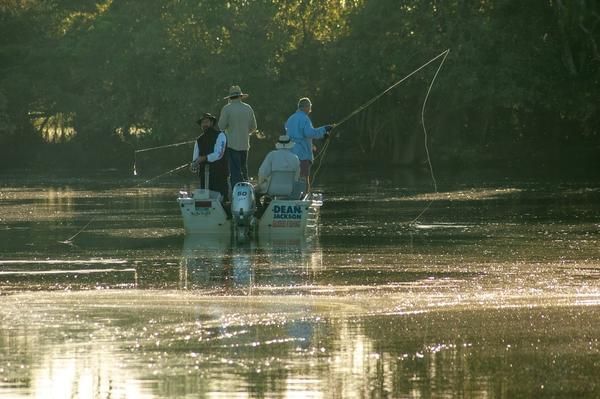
301 131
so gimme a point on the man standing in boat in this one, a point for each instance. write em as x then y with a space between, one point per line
209 150
238 121
301 131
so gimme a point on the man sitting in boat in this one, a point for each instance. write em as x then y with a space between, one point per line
209 151
279 172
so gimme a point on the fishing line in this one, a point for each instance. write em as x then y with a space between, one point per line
164 174
425 137
69 241
378 96
323 150
156 148
321 153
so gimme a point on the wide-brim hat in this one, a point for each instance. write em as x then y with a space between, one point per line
207 115
235 91
284 142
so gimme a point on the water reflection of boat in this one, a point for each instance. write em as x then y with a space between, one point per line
205 260
222 262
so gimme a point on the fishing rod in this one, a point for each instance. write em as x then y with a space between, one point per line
165 146
323 151
164 174
135 152
69 241
378 96
259 135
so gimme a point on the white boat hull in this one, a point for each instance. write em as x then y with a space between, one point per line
203 213
289 217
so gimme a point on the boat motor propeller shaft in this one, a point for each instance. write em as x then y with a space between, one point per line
243 205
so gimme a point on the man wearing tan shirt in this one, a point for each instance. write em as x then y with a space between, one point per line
238 121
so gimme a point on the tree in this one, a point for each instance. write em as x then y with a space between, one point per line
98 77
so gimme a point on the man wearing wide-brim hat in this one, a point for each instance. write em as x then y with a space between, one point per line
238 121
281 162
209 150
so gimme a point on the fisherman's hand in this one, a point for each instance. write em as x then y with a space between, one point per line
194 166
328 128
326 136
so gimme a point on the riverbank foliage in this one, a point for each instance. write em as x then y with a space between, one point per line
84 83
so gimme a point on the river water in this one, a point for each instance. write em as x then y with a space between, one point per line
494 292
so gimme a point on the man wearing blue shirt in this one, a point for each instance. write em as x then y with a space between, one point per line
301 131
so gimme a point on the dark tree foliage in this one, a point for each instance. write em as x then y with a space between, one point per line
86 82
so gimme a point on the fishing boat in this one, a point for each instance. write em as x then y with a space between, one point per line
283 213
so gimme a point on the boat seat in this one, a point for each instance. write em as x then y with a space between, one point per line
282 184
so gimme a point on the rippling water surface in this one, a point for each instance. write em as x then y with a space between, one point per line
493 292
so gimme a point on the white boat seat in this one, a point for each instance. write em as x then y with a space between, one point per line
281 183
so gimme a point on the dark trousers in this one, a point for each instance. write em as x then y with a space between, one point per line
217 182
238 166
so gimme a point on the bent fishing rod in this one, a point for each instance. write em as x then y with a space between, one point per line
323 151
378 96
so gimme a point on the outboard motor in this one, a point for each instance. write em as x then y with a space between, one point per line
243 207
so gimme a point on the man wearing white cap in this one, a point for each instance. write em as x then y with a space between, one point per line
279 172
238 121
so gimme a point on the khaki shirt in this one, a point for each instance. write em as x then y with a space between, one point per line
238 121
